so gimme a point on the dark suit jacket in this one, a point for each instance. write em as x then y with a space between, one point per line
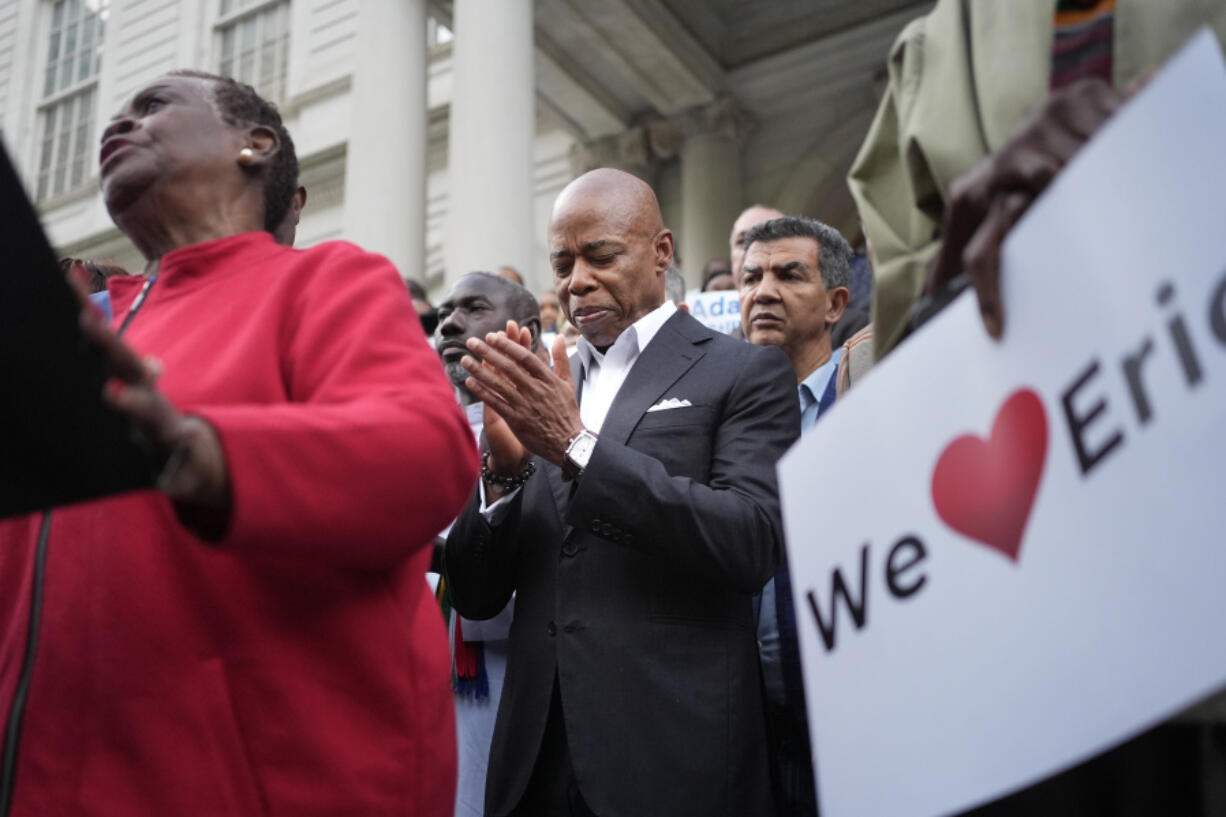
635 587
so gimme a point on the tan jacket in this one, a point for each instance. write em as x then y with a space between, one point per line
856 360
961 81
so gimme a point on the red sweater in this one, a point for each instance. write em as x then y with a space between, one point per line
299 666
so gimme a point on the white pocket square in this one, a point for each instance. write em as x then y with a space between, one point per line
670 403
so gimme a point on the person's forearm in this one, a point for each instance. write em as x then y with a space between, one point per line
481 562
366 484
729 536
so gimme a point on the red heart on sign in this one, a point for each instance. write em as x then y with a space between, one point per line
985 488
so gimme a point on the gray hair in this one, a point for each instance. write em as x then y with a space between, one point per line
674 284
833 252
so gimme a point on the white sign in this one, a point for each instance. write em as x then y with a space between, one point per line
719 310
1010 556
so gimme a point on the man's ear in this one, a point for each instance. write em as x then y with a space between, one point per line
836 303
300 200
265 144
664 250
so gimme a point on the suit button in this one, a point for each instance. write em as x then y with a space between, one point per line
552 629
596 525
570 549
608 530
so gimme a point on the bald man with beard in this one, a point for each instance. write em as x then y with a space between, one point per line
629 499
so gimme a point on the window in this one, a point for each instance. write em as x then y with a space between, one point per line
254 44
436 33
70 95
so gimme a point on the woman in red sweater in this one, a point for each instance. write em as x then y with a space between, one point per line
255 637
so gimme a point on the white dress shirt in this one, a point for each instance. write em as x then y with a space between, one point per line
603 376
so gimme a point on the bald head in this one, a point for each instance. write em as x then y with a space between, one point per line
609 250
621 197
749 218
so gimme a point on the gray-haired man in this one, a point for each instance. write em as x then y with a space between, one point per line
793 289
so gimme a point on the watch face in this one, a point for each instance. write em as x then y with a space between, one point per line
583 450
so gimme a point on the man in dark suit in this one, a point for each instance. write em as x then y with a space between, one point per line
793 292
631 502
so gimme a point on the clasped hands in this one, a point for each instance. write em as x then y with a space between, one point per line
529 408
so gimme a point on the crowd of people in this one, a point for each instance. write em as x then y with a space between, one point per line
513 554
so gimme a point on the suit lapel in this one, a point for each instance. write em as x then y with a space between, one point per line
561 490
829 395
671 353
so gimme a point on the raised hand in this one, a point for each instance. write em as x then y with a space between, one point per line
536 404
508 456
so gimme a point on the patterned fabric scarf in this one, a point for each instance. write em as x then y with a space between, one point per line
1083 42
468 676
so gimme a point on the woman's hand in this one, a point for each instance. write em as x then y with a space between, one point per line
195 476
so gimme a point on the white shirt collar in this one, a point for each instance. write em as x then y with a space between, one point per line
638 333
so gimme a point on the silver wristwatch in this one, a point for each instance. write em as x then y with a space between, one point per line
578 454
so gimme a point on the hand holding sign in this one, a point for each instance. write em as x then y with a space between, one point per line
986 202
1088 457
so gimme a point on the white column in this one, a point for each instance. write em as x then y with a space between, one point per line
385 163
707 139
710 200
490 139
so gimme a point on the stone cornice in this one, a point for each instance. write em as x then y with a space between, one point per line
627 151
724 118
642 148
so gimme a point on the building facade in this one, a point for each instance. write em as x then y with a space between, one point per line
444 151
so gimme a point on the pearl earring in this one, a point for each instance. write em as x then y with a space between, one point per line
246 156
